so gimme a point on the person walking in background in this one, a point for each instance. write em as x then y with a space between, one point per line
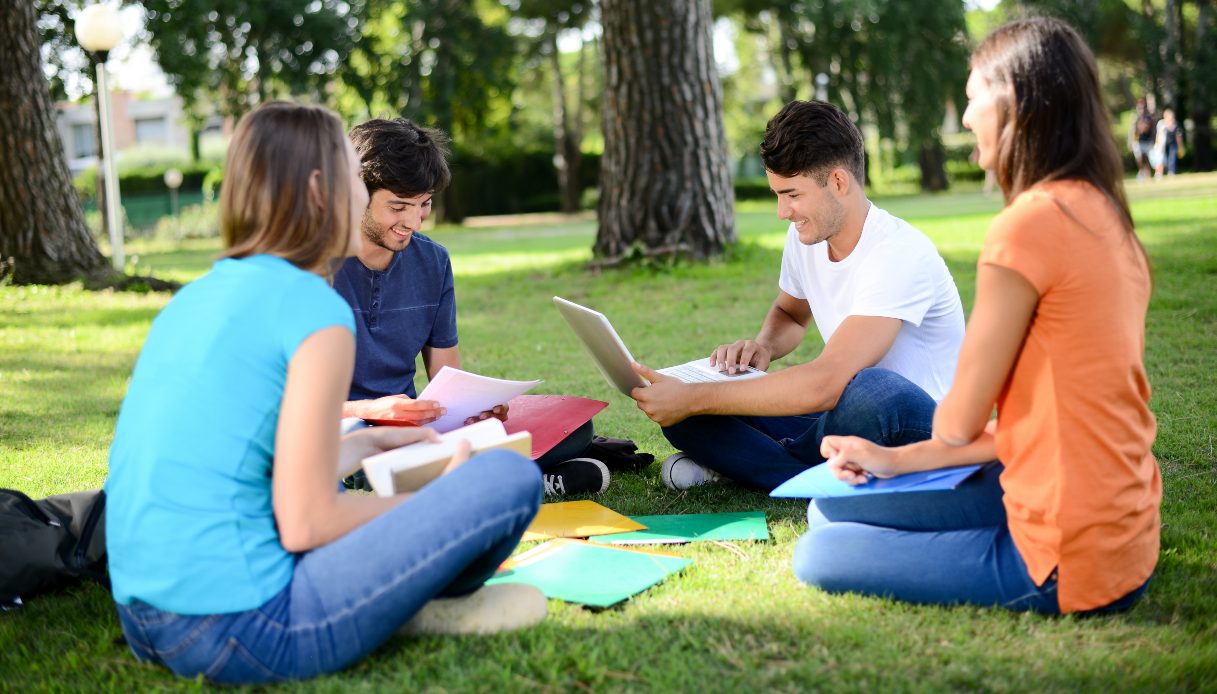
1141 138
1168 144
1056 342
232 553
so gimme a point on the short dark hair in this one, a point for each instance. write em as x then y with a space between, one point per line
812 138
401 157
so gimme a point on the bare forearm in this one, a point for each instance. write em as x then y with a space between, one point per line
330 521
933 454
780 333
798 390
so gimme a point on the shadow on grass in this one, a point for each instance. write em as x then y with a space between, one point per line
815 641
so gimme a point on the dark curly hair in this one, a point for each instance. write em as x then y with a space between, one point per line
401 157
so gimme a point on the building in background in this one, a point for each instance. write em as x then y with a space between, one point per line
157 122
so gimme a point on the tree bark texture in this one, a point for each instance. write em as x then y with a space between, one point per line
1202 89
665 183
43 237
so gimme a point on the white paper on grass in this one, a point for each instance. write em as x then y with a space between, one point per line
381 467
466 394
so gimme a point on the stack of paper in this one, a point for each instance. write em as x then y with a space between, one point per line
595 575
692 527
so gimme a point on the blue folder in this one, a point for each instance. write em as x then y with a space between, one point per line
819 483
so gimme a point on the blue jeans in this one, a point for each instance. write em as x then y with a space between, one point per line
573 446
941 547
763 452
343 600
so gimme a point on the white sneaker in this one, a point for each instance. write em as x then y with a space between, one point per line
487 610
680 472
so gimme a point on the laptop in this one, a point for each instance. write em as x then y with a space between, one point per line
613 358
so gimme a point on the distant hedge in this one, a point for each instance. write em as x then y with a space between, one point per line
148 180
482 183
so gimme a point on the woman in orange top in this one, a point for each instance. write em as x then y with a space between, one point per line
1055 341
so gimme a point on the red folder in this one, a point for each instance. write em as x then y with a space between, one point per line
549 418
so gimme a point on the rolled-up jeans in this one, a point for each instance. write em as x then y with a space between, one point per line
762 452
347 597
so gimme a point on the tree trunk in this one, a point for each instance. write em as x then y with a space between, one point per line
665 184
933 163
565 149
43 238
1170 58
1202 90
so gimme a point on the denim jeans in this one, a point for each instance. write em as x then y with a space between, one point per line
573 446
763 452
344 600
941 547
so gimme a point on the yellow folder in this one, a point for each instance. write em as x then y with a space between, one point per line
577 519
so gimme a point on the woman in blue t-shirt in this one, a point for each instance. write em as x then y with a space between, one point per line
232 553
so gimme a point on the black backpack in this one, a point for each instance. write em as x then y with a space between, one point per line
50 543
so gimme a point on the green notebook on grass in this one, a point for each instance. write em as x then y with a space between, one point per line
595 575
692 527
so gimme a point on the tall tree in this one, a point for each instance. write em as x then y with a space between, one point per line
665 184
443 63
239 53
1204 87
555 17
43 237
918 62
893 64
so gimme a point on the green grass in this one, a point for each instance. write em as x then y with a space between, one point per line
737 618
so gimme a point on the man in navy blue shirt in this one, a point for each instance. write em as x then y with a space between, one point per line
401 289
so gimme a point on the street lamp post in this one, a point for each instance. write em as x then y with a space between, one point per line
98 30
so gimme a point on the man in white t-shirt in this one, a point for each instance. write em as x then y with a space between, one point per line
881 297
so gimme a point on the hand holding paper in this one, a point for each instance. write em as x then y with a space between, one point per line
665 401
397 408
464 395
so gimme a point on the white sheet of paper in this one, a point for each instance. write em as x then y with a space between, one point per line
700 371
466 394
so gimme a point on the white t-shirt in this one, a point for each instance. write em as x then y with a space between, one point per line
893 272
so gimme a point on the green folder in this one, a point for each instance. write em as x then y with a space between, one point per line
692 527
588 574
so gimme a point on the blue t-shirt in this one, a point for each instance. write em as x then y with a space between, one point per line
398 311
189 523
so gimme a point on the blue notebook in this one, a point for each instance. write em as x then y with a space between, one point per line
819 483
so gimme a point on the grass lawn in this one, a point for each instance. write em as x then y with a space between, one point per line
735 619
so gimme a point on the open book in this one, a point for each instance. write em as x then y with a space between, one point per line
408 468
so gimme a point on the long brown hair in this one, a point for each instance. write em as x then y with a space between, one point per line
266 205
1057 127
